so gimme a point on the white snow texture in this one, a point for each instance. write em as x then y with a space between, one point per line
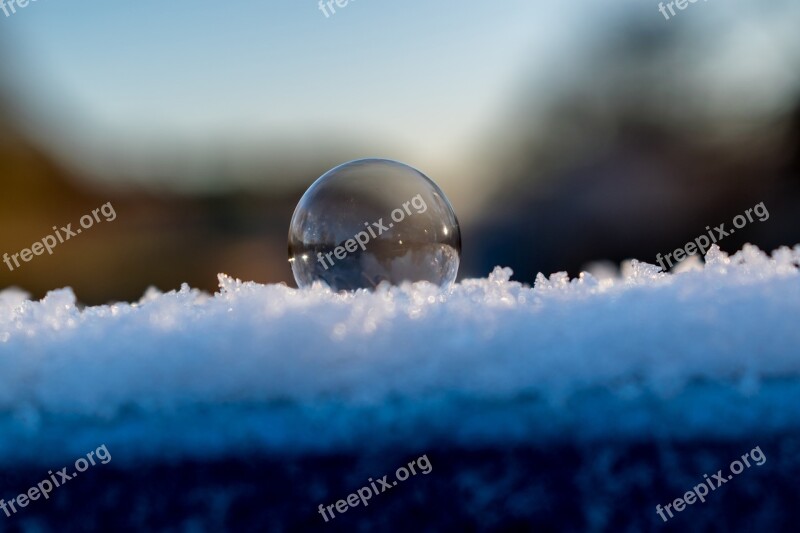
710 351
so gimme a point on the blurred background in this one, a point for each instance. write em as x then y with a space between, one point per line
563 133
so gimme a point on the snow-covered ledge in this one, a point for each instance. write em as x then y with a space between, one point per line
488 360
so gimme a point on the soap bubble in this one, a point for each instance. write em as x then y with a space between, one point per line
370 221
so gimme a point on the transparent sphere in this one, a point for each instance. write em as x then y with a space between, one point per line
374 220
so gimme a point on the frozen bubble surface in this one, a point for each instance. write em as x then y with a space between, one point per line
371 221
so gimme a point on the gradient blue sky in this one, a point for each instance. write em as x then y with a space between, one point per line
419 79
416 73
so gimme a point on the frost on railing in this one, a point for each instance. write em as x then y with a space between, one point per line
316 368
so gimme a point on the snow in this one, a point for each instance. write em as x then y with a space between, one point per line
710 350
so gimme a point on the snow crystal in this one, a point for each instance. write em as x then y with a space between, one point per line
709 350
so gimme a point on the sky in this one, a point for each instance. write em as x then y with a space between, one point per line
423 76
421 81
